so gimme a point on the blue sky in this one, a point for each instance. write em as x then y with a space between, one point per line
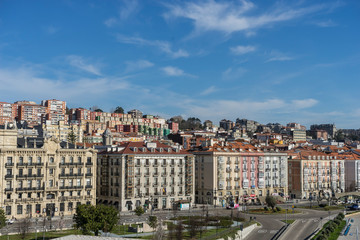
270 61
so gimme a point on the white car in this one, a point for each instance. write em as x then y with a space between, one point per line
10 221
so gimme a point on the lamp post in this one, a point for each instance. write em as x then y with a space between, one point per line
36 222
215 197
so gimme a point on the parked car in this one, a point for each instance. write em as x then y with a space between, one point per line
10 221
354 207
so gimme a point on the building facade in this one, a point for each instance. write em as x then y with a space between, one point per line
152 175
315 174
43 177
55 110
235 172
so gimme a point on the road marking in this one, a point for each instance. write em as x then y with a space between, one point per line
262 231
315 220
303 221
273 231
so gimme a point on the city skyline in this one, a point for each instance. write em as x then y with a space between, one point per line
279 62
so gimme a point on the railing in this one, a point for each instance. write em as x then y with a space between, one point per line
89 163
7 176
70 164
29 176
9 164
29 189
9 189
71 187
70 175
29 164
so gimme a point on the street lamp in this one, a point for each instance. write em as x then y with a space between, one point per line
215 197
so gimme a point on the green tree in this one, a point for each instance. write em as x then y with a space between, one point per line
89 218
270 201
339 136
153 221
72 137
2 218
139 211
119 110
98 110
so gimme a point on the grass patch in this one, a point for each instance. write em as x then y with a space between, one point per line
122 229
289 221
48 235
321 208
269 211
334 235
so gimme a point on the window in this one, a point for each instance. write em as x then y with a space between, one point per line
79 193
71 160
51 171
8 196
9 160
88 182
88 170
38 159
62 171
8 210
38 195
29 172
71 171
88 160
88 192
29 195
62 184
79 171
51 183
28 208
70 193
78 182
38 183
70 182
70 206
19 209
37 208
30 160
20 195
62 161
29 183
62 207
51 159
21 160
8 185
79 159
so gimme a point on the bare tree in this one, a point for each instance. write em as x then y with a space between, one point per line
24 227
160 233
179 230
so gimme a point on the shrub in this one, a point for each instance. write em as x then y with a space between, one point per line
278 209
330 228
337 221
266 208
321 237
341 215
322 205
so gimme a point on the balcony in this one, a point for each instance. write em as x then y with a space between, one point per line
155 184
71 187
70 164
89 163
88 174
228 188
88 186
8 201
70 175
9 164
28 200
180 193
237 187
228 179
22 189
236 179
155 165
9 176
164 184
163 174
228 169
236 169
9 189
26 176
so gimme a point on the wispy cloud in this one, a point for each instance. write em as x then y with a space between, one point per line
209 90
128 8
279 56
80 63
304 103
51 29
233 73
327 23
161 45
234 16
239 50
175 72
137 65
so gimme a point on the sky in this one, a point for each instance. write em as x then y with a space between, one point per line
269 61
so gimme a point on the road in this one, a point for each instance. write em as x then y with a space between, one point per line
308 221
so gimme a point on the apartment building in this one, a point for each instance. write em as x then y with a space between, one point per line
43 176
148 174
61 131
31 113
315 174
7 112
55 110
235 172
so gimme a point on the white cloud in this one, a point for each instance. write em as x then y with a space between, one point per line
279 56
161 45
234 16
304 103
173 71
28 83
239 50
128 8
328 23
137 65
209 90
79 62
51 30
110 22
233 73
